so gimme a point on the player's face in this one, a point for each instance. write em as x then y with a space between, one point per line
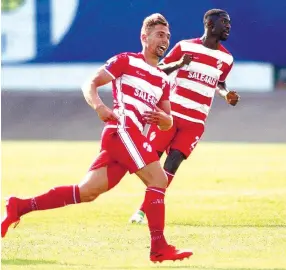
222 27
158 40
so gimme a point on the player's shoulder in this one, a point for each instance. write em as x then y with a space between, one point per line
127 55
117 58
224 49
163 74
226 54
131 54
191 41
189 44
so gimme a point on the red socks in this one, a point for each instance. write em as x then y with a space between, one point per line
65 195
170 178
55 198
155 211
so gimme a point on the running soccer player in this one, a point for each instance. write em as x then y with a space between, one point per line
141 94
200 67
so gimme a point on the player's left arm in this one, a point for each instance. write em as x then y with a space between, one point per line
230 96
161 115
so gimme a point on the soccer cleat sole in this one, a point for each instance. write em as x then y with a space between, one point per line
179 259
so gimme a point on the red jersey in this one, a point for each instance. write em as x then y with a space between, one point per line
194 85
137 87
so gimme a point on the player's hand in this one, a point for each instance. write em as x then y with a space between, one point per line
105 114
232 98
186 59
159 118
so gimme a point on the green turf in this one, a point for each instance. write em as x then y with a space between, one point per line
227 203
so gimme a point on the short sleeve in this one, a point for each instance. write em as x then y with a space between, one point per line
225 73
174 55
117 65
166 90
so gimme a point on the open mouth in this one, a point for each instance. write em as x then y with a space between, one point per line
162 48
226 32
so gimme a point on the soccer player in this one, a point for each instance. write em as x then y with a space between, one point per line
200 67
141 94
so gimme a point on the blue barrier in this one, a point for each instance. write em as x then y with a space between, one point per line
99 29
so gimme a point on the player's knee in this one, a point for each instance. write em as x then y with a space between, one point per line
173 161
89 195
93 184
157 179
160 182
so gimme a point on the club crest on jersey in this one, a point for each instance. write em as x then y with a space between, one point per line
219 64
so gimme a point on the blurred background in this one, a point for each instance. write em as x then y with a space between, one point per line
49 47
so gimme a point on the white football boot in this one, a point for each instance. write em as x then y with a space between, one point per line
138 217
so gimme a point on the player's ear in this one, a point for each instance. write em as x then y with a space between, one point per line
144 38
209 24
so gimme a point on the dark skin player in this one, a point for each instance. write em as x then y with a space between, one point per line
216 29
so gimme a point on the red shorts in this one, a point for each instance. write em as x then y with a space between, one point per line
183 136
126 147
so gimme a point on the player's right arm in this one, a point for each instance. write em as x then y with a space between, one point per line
175 60
90 92
113 69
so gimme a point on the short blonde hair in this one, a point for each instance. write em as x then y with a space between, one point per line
153 20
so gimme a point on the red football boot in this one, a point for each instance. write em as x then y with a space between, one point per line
11 215
170 253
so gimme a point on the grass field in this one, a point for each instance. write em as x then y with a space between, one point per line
227 203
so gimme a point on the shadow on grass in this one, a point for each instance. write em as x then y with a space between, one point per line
26 262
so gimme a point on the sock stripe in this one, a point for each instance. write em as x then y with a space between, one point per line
74 196
34 205
169 173
156 190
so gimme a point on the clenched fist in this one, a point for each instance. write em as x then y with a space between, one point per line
186 59
105 114
232 98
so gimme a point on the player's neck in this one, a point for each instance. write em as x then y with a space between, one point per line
150 59
210 42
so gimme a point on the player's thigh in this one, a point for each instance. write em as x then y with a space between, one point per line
153 175
115 171
93 184
159 139
187 137
104 172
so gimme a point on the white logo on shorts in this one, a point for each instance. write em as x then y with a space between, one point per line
147 146
193 145
152 136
